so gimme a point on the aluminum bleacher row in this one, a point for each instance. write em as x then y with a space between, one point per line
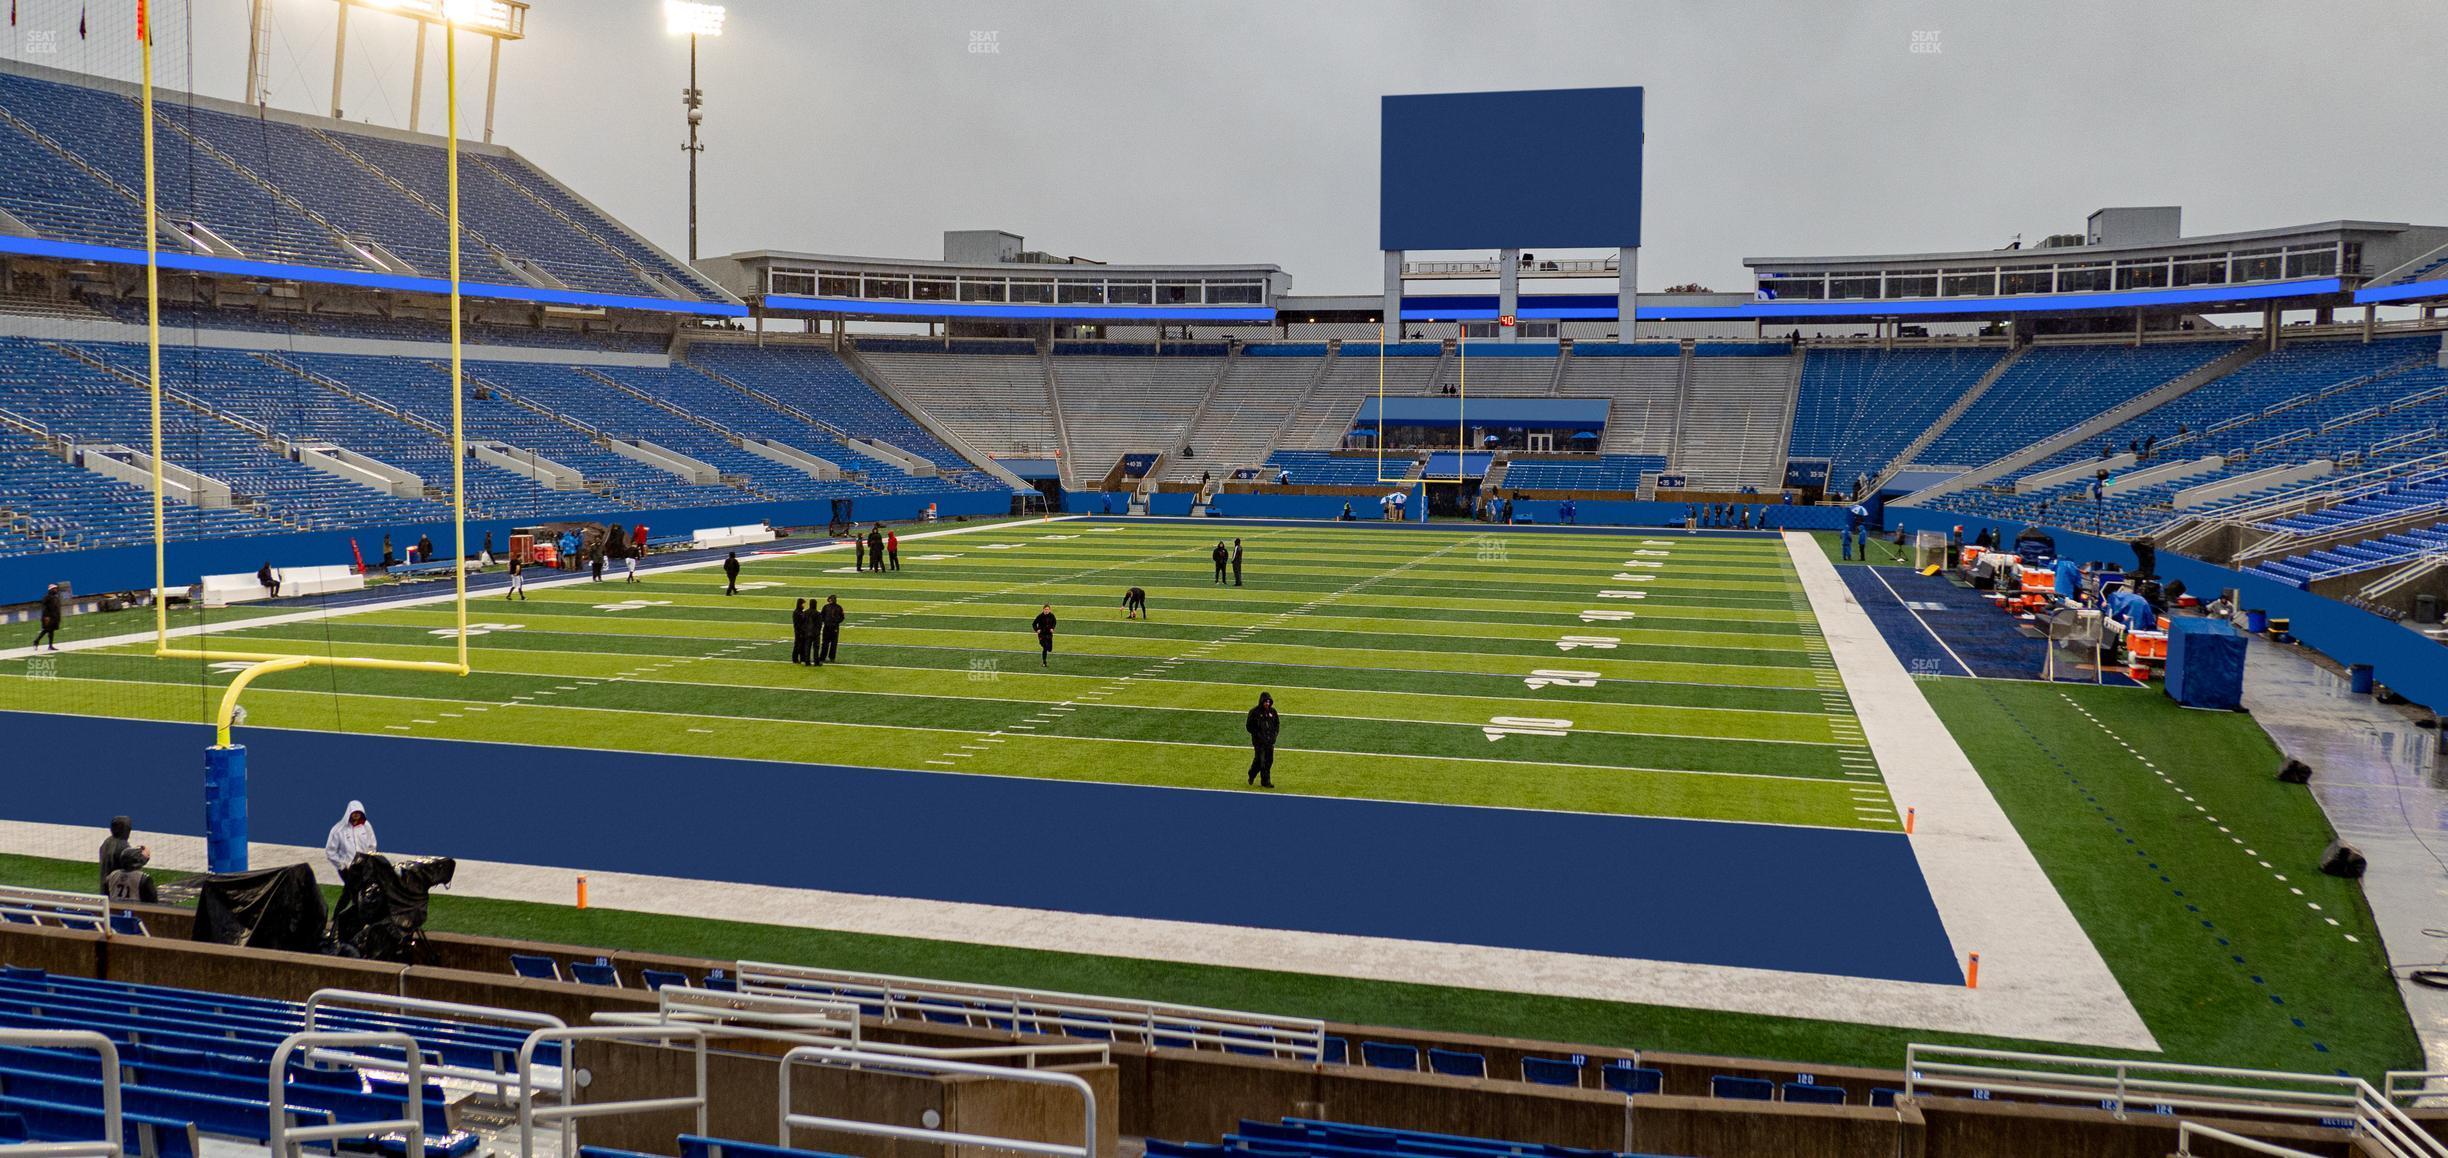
304 192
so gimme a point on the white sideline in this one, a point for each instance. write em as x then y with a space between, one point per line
2040 975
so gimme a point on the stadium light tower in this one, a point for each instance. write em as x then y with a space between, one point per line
497 20
691 19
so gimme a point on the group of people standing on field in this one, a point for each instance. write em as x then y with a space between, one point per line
879 547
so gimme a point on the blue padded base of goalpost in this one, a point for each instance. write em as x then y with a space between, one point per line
1845 902
225 808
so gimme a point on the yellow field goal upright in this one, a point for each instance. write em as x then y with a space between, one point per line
1461 411
225 790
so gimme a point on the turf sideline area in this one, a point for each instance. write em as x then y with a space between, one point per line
2041 977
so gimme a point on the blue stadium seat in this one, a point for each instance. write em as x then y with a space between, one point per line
597 972
534 966
1548 1071
1742 1089
698 1146
1814 1093
654 979
1625 1078
1389 1056
1457 1063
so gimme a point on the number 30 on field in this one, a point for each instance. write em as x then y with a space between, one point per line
1503 726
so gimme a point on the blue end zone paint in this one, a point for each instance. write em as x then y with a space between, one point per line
1937 628
1812 900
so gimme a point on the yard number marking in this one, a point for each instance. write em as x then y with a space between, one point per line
1503 726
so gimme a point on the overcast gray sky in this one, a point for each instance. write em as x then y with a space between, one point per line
1245 130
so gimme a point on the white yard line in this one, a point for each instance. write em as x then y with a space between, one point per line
2040 975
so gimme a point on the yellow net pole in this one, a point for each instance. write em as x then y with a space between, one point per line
450 87
161 562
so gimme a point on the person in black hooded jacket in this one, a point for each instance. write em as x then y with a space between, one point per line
129 882
1264 725
54 602
802 633
120 829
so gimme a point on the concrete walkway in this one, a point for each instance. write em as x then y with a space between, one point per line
2384 785
2040 975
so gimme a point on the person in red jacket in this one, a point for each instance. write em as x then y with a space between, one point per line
892 548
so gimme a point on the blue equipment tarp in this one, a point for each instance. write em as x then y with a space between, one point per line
2205 664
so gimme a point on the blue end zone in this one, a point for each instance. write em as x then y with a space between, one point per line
1810 900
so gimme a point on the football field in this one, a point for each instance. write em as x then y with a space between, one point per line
1652 675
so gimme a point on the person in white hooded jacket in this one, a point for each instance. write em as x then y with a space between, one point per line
353 837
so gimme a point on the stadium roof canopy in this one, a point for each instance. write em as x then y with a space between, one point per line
901 289
2127 259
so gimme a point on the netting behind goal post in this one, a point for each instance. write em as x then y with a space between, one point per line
225 782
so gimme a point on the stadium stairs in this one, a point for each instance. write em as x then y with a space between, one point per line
197 1022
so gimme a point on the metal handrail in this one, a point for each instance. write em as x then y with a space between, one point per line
762 1016
2118 1085
52 903
108 1146
1300 1038
283 1136
570 1111
804 1019
2187 1131
500 1079
824 1054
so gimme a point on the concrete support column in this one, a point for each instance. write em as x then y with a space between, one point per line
1627 294
1508 290
2371 315
1393 294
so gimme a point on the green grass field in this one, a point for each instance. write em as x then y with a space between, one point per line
1390 655
1390 652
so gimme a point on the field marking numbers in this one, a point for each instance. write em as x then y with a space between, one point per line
1552 678
1499 727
